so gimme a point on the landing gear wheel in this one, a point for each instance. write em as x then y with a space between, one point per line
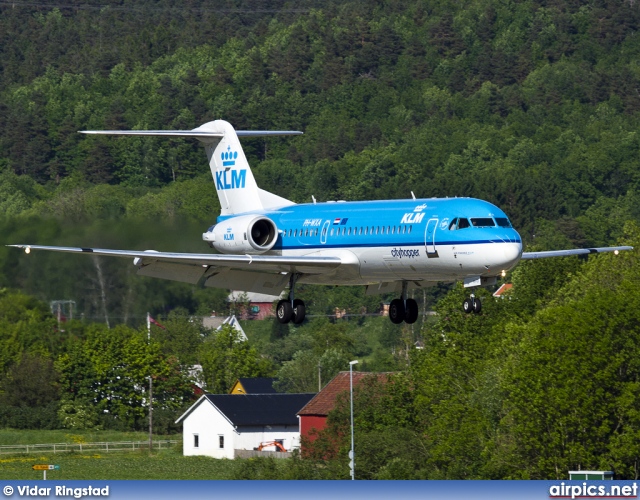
467 305
477 305
298 311
396 311
284 312
411 311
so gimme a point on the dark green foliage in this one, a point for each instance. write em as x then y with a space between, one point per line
29 394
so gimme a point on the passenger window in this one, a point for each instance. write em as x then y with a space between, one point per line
410 228
393 230
331 231
463 223
482 222
324 231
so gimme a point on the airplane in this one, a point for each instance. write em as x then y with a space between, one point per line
266 243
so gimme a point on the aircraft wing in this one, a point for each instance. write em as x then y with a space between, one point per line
574 251
255 263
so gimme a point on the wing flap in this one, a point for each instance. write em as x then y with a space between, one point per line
170 271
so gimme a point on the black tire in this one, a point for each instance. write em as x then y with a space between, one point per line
298 311
284 312
396 311
477 305
467 305
411 311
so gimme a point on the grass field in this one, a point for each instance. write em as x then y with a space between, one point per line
14 436
167 464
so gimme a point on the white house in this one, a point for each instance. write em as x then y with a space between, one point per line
219 424
217 322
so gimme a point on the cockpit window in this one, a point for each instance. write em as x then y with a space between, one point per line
459 223
503 222
482 222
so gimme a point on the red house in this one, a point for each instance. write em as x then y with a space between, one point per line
314 414
249 305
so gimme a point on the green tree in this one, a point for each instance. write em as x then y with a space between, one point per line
104 379
225 357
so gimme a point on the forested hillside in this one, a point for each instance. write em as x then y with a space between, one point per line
532 105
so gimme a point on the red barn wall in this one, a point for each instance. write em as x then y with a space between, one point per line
308 422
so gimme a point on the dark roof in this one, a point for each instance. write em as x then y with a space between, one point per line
258 385
325 400
260 409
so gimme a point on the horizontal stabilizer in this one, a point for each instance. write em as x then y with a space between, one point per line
196 133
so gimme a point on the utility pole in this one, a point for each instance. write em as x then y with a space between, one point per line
150 414
150 390
352 455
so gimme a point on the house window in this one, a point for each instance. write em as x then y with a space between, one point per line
221 441
196 441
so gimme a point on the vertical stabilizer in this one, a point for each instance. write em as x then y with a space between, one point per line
234 181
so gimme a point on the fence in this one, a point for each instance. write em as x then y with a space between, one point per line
13 449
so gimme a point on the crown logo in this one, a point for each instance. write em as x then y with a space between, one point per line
229 157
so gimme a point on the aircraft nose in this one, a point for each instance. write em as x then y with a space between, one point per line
512 252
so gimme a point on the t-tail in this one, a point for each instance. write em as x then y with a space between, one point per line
236 186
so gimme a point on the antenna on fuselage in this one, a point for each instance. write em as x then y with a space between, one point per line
314 199
413 195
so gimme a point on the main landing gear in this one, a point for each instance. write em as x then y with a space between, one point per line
291 309
403 309
472 305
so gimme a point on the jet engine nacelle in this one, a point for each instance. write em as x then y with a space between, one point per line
250 234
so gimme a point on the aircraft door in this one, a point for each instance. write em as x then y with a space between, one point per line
324 232
430 236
